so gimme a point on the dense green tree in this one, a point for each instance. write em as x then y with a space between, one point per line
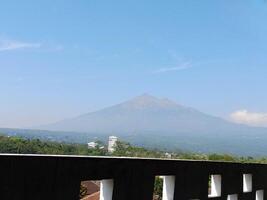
158 188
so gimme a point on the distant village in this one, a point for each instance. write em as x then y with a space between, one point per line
112 141
111 147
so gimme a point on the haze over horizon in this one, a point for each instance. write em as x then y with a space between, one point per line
61 59
147 101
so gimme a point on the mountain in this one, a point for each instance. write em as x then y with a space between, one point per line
143 114
162 123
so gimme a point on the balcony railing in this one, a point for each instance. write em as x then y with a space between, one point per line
38 177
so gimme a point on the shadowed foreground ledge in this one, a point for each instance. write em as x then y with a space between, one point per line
48 177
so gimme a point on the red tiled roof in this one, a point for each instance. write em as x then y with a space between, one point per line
91 186
95 196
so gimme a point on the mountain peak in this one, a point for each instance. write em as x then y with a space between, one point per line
145 97
147 100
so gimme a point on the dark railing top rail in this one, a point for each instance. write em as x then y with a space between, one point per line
127 158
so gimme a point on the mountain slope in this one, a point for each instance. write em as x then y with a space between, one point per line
144 114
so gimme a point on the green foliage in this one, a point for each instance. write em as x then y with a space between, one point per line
158 188
127 150
224 157
36 146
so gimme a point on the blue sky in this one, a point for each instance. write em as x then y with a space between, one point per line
59 59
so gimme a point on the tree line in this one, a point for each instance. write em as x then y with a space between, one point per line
20 145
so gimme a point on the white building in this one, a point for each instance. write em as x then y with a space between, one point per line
92 145
112 143
168 155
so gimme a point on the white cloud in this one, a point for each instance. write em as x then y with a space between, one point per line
9 45
182 66
249 118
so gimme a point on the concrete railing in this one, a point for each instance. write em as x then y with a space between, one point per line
37 177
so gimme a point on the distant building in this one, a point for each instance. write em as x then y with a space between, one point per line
92 145
168 155
112 141
101 147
